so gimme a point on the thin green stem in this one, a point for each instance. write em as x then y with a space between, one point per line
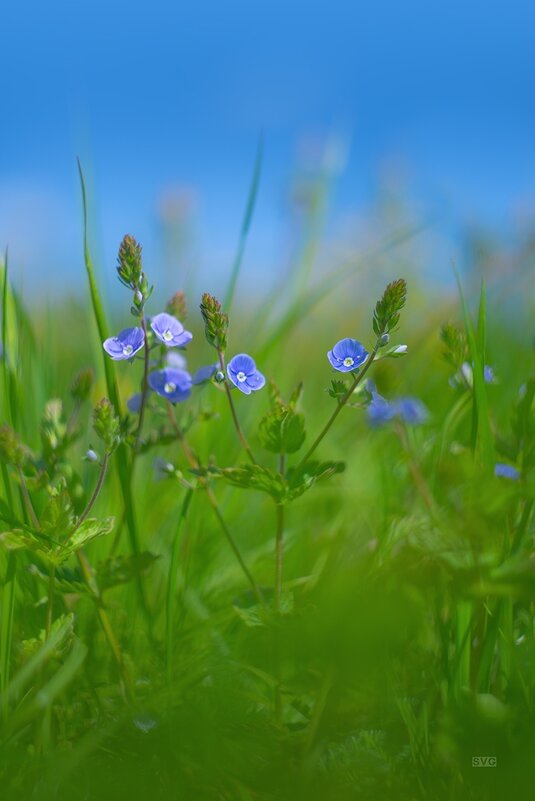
171 581
144 388
27 500
279 544
195 464
50 600
354 384
94 496
239 431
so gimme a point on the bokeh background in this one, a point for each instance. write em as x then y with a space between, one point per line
164 103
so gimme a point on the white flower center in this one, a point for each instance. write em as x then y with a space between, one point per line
169 387
241 377
348 361
167 335
127 350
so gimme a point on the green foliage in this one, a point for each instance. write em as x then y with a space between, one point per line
215 322
282 430
455 345
388 308
106 425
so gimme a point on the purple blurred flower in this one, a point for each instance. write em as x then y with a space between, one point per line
175 385
174 358
204 373
506 471
133 404
170 331
410 410
125 345
242 371
347 355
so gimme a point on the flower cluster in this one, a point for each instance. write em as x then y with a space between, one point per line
409 410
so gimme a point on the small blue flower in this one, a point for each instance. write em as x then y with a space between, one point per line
347 355
506 471
379 410
488 374
411 410
133 404
175 385
170 331
174 358
204 374
125 345
242 371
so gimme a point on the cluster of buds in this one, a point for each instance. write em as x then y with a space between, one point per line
176 306
106 425
131 275
12 451
215 322
82 384
388 308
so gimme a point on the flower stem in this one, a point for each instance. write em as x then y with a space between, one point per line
50 600
27 500
195 464
279 544
354 384
94 496
239 431
144 388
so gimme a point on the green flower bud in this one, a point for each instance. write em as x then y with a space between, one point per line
82 384
129 262
215 322
106 424
12 451
177 306
387 309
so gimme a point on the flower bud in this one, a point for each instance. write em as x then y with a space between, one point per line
129 262
215 322
219 376
82 384
12 450
106 424
384 340
177 305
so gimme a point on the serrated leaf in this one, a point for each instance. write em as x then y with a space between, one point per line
121 569
251 476
302 479
256 615
89 530
282 430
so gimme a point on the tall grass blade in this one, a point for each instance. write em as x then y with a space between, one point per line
246 225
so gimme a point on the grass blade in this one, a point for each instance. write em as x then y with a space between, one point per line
246 224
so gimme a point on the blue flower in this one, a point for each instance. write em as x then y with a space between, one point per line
410 410
506 471
204 373
173 358
125 345
175 385
133 404
379 410
242 371
347 355
170 331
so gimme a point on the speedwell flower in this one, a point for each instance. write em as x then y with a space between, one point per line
170 331
410 410
175 385
204 374
506 471
242 371
347 355
125 345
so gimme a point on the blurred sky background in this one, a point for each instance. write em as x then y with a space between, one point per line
164 103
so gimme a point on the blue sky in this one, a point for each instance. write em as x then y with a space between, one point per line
166 98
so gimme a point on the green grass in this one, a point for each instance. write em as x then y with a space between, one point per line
401 643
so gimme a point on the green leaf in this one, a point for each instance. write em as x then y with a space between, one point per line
302 479
252 476
282 430
89 530
338 389
122 569
255 615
